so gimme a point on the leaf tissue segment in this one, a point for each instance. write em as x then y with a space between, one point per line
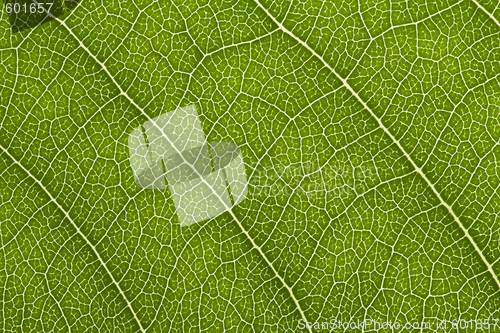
177 153
355 176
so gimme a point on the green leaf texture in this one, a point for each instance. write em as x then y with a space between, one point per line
370 132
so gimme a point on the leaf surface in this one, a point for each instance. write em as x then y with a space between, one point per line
370 132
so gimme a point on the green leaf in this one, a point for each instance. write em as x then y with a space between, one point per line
370 134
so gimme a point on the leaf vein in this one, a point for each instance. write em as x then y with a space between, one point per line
129 305
386 130
124 93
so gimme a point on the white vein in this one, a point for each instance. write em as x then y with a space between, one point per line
386 130
122 92
79 232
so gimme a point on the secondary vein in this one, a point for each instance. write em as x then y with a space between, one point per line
129 305
386 130
258 248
